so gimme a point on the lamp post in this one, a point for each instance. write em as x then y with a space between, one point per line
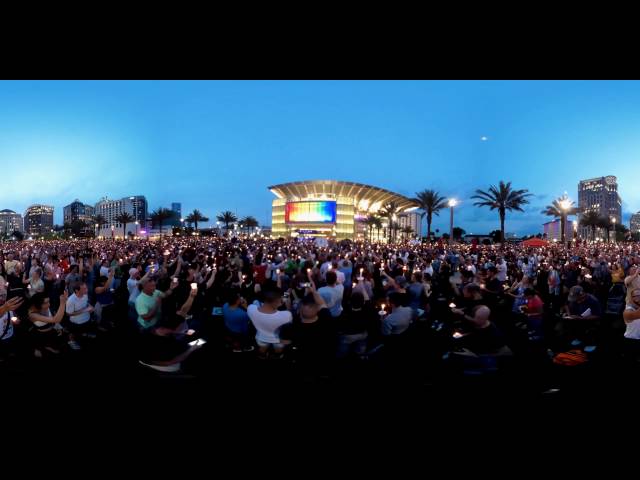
614 229
452 203
137 223
565 203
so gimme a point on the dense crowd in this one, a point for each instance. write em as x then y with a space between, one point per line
452 308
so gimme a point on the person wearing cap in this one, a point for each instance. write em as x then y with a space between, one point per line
580 314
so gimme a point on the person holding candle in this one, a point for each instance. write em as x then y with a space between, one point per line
8 318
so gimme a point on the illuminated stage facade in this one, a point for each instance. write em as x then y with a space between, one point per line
330 209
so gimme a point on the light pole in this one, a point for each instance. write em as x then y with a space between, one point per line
137 223
97 230
614 229
565 203
452 203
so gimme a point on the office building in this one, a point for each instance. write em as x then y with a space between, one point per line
551 230
177 209
599 195
38 220
10 222
136 206
634 223
78 211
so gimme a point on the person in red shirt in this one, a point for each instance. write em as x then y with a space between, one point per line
534 310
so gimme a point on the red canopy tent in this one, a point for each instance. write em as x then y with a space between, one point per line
535 242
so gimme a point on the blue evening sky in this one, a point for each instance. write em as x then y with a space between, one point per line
218 145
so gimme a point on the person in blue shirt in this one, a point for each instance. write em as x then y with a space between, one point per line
237 322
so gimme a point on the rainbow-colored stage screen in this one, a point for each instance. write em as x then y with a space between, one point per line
310 212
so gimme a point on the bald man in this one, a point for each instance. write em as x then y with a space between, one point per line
483 336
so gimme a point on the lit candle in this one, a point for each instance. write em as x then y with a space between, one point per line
14 319
361 270
382 310
194 286
452 305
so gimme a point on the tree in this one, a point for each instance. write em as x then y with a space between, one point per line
605 223
621 232
78 227
195 217
458 233
561 207
431 202
18 235
66 227
373 221
125 218
227 217
590 220
249 222
390 211
160 216
495 236
407 230
502 198
99 220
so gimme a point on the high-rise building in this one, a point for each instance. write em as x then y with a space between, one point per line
78 211
10 222
552 230
409 219
599 195
177 209
135 206
38 220
634 223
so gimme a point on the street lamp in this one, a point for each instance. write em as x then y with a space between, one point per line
137 223
614 229
452 203
565 204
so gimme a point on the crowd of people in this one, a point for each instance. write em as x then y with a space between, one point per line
457 309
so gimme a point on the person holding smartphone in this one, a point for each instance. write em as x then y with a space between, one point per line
168 343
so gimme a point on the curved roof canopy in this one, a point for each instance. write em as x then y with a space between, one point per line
367 197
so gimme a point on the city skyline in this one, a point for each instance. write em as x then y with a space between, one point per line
216 146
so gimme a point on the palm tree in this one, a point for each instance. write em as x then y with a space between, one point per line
389 211
370 223
458 233
99 220
502 198
407 231
561 207
591 219
227 217
606 224
249 222
125 218
195 217
160 216
430 203
67 228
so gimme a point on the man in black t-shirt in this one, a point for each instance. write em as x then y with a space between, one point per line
313 333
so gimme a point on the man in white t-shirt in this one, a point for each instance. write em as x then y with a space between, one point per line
332 294
79 312
268 320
